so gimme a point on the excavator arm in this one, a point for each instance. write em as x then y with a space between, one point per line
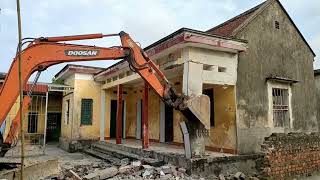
42 53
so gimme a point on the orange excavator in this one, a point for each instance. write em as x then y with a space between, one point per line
41 53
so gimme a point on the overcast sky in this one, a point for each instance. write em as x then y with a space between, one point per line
146 21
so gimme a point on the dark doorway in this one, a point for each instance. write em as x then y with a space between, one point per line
113 118
168 124
32 122
53 127
210 93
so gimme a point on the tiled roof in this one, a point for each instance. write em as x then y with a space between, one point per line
228 27
80 69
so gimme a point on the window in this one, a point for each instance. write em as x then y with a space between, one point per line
86 111
209 92
32 122
280 104
67 115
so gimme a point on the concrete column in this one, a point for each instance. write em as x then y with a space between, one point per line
139 118
192 85
192 78
162 122
102 114
145 127
124 119
45 123
119 115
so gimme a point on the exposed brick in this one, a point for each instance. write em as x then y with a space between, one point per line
293 154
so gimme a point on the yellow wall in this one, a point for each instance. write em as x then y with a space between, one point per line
223 134
89 90
83 89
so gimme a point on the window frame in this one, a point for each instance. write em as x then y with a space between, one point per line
277 85
83 121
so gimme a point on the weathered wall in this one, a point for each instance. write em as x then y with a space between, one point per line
223 134
84 87
66 130
272 51
87 89
317 93
290 155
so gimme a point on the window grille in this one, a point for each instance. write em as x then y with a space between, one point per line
280 107
86 111
32 122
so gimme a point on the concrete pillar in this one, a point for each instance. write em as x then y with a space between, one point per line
192 85
124 119
145 127
192 78
162 122
102 114
119 115
139 119
45 123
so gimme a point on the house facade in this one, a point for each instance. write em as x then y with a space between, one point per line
277 70
43 116
193 61
256 68
81 107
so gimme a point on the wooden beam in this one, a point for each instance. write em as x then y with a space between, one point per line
119 115
145 127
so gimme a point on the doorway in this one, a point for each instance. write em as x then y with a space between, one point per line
113 119
33 122
53 127
168 124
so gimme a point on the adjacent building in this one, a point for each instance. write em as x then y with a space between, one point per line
44 111
275 84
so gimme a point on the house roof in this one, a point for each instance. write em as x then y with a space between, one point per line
230 27
172 36
79 69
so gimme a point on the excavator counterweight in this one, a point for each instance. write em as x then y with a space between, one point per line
42 53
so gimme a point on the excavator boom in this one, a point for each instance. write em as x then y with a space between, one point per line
42 53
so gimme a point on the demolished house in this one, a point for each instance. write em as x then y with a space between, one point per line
249 66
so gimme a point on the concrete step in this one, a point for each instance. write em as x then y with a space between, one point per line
117 152
103 156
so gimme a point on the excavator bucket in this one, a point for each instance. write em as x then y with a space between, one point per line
199 106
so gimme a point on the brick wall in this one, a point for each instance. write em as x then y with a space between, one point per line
289 155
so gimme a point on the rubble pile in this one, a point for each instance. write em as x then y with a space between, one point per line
126 169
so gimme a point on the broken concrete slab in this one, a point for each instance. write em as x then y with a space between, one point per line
102 174
33 171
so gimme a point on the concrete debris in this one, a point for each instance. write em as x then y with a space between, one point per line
125 169
136 163
221 177
125 161
136 170
102 174
75 175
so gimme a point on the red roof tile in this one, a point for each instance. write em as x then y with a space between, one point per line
228 27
